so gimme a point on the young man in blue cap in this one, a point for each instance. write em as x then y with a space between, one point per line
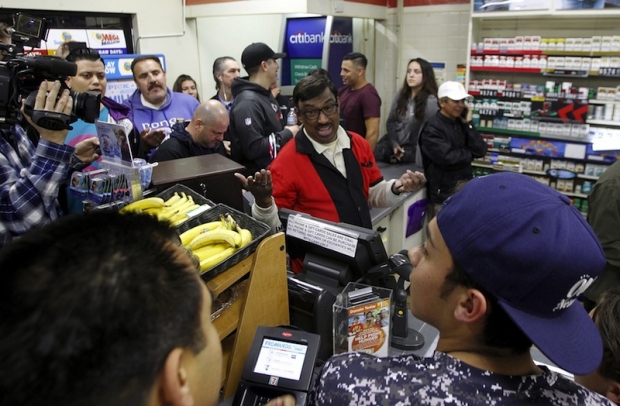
503 264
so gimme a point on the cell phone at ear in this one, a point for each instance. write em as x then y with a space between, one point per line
464 112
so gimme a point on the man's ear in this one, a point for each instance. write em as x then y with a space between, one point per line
471 306
300 117
613 392
174 381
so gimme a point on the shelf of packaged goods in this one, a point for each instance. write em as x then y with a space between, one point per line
587 177
606 123
573 194
513 95
498 168
507 52
533 172
533 134
599 101
544 52
597 74
509 168
508 132
502 69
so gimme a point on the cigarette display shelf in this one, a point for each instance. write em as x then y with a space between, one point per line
598 101
546 52
605 123
504 70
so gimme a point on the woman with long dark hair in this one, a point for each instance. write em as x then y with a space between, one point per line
414 103
186 84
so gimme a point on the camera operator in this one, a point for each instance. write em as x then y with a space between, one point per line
30 177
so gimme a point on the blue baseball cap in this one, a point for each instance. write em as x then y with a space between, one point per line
525 244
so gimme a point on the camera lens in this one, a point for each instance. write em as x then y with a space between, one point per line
86 105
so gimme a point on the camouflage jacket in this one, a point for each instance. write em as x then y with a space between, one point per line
362 379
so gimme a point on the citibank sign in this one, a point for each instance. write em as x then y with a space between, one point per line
334 38
305 38
338 38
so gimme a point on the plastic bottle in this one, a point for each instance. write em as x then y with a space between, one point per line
291 118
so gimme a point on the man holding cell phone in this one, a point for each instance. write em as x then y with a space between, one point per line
448 143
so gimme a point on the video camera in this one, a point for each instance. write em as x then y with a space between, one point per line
21 76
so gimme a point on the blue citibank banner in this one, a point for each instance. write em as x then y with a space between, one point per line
306 42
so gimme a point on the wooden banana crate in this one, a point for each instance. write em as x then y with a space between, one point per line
258 229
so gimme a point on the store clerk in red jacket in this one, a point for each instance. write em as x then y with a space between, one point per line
324 171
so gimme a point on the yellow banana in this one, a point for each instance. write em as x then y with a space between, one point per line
192 233
182 216
181 201
169 213
232 238
216 259
208 251
175 198
246 236
143 204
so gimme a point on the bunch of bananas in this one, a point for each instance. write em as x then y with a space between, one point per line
173 210
214 242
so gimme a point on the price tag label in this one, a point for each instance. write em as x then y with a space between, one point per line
488 92
512 94
609 71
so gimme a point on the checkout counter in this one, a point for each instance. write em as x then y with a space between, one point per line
402 225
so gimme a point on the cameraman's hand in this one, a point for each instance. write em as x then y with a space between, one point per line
86 150
46 101
152 138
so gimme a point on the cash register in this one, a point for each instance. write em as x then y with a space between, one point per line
334 254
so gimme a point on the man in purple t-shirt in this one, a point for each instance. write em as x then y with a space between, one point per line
360 104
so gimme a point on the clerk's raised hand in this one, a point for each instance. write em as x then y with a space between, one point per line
259 185
409 182
46 101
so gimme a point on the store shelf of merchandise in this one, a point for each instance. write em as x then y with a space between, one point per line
533 172
506 70
558 137
544 52
506 52
545 14
508 132
599 101
606 123
509 168
573 194
587 177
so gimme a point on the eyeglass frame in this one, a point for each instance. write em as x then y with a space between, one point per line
319 111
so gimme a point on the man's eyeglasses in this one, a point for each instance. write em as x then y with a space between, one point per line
313 114
462 101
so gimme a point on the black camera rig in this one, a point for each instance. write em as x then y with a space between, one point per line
21 76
